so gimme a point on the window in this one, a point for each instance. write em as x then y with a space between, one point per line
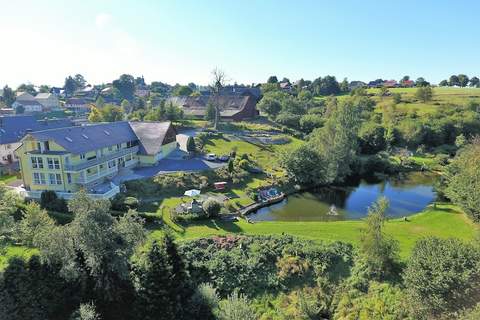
9 146
82 156
110 148
111 164
102 167
53 163
69 178
39 178
55 178
37 163
128 157
119 146
131 144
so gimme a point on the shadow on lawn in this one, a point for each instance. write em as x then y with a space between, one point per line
226 226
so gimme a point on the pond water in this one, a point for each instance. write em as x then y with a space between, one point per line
407 195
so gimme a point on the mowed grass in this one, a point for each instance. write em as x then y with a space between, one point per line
7 178
15 251
443 221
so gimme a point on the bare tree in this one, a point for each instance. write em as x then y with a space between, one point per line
219 79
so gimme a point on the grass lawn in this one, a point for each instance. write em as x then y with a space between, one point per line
15 251
7 178
443 221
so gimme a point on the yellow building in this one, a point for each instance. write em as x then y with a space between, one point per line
90 157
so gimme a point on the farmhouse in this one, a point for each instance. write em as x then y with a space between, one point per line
232 107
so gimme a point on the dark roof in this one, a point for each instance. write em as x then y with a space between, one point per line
82 139
151 135
197 106
14 128
76 101
28 102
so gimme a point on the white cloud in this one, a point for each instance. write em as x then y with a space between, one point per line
102 20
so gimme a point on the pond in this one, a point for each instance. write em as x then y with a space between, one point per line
407 194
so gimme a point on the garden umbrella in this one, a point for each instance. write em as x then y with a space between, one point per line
192 193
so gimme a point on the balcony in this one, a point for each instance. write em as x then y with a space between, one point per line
104 158
105 191
84 178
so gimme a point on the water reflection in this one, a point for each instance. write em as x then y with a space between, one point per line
407 194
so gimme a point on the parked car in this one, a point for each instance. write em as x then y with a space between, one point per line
211 157
224 158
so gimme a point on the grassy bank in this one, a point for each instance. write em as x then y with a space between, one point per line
443 221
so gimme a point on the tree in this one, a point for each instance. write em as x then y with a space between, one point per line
405 79
112 113
454 81
424 94
191 147
463 177
210 112
421 82
126 106
29 88
219 79
397 97
463 80
474 82
8 96
95 115
443 83
162 284
79 81
100 103
34 221
70 86
173 113
379 252
344 87
305 165
272 79
9 202
44 88
125 86
211 207
182 91
270 105
442 277
231 166
86 311
236 307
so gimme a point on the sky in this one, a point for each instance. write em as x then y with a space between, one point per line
182 41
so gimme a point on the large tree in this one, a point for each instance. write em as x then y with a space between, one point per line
442 277
454 81
219 80
474 82
424 94
8 96
379 251
125 86
70 86
463 179
463 79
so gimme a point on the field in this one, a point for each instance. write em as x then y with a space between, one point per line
443 221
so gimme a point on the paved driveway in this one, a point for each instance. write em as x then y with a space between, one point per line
168 165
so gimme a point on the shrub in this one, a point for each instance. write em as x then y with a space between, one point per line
50 201
131 202
212 207
244 164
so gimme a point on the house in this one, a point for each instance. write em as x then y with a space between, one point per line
90 157
14 128
238 90
57 91
48 100
356 84
88 92
286 86
390 83
77 105
26 101
142 91
408 83
232 107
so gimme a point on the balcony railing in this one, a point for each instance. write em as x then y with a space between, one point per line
104 158
82 179
110 193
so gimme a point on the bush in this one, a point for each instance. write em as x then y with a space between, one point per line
244 164
131 202
50 201
212 207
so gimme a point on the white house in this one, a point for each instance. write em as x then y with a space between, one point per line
27 102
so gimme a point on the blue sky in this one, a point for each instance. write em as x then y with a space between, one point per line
182 41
